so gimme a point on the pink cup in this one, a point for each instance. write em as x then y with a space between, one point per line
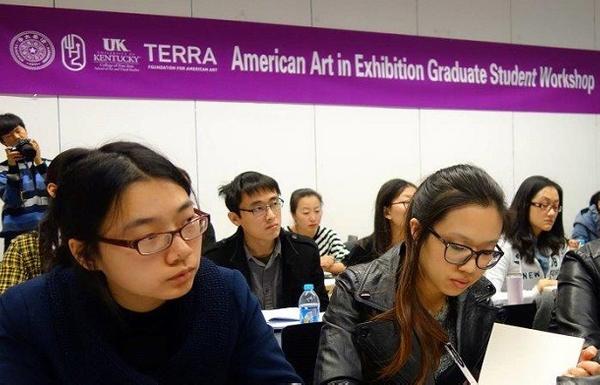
514 288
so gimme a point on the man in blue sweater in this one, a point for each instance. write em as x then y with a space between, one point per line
22 174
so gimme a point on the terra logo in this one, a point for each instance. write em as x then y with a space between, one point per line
32 50
73 52
112 45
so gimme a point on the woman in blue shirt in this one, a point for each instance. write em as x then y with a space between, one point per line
586 227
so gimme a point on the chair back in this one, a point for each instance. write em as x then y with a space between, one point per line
543 315
351 242
517 315
300 344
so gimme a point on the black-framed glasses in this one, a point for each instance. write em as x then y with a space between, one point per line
457 254
547 206
155 243
403 203
259 211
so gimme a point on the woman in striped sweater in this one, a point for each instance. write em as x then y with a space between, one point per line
306 206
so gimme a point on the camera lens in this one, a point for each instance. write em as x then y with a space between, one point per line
25 148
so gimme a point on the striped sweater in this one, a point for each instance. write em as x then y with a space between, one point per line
329 243
23 190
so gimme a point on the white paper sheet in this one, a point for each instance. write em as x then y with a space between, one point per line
525 356
280 318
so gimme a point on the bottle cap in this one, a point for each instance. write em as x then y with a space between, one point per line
309 286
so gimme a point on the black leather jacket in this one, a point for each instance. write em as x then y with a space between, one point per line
577 306
353 349
362 252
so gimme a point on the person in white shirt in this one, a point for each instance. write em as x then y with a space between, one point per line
534 243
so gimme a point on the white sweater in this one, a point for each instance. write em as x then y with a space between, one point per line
532 272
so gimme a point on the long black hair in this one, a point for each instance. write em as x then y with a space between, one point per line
56 170
382 230
446 190
519 232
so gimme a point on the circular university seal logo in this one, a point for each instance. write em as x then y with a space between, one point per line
32 50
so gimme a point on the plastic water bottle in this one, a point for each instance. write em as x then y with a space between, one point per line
309 305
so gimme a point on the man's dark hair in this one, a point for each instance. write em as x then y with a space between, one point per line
9 122
249 182
594 199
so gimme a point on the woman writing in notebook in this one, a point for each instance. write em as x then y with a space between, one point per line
397 319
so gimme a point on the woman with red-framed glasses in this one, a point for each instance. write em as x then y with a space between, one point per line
129 299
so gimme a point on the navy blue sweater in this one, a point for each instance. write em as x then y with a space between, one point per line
53 332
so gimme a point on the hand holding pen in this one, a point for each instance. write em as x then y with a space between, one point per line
460 363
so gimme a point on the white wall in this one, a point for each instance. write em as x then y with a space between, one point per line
346 153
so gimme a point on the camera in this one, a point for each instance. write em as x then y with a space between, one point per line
25 148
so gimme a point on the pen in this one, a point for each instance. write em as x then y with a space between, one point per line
460 363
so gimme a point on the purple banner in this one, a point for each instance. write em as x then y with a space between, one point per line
51 51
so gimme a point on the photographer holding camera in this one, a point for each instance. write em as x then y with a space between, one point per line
22 175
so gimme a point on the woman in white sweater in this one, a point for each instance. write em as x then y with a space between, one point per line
534 244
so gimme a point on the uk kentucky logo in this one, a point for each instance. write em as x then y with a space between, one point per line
32 50
113 45
73 52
